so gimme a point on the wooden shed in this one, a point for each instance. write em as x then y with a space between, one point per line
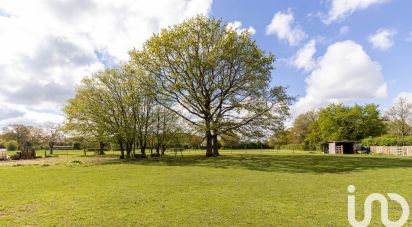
339 147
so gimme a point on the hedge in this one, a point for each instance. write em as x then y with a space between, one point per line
388 140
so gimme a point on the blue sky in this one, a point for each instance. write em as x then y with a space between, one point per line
394 14
350 51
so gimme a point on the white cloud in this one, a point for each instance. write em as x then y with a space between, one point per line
344 30
7 113
21 114
405 95
237 26
284 27
344 73
48 46
382 39
304 57
340 9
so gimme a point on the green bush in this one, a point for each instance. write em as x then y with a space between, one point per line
12 145
77 146
2 145
388 140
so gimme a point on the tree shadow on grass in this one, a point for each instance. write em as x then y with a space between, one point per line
298 163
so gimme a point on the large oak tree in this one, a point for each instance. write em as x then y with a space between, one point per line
217 79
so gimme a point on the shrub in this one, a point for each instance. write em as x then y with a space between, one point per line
12 145
2 145
388 140
77 146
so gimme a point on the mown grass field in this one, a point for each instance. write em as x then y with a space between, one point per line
240 188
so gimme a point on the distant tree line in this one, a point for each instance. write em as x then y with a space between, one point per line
366 124
22 137
51 137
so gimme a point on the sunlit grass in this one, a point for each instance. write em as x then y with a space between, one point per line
258 188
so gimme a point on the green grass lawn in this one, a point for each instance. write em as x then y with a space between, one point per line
240 188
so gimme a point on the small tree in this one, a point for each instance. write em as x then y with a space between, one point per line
301 127
165 127
400 117
52 134
26 137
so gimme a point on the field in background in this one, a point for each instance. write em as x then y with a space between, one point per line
242 187
62 156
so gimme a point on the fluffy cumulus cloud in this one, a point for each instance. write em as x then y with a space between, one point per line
340 9
237 26
48 46
344 73
304 57
7 113
284 27
382 39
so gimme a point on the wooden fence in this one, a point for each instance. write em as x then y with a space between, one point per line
393 150
3 154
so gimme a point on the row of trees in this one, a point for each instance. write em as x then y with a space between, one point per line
197 76
57 136
116 106
339 122
22 137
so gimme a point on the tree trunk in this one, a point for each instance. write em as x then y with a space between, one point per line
134 150
215 145
129 148
121 150
51 148
209 144
143 150
102 145
163 150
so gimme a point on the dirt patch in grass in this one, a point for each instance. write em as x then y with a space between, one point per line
2 214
